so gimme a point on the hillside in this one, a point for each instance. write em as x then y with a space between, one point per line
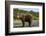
35 15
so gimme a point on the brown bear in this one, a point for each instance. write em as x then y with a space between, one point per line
26 18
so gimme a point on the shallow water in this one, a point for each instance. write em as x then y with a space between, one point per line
35 23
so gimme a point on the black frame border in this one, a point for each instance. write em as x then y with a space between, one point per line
20 33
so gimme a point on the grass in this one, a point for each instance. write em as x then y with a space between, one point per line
35 16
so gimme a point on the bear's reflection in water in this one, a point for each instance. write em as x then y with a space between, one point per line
35 23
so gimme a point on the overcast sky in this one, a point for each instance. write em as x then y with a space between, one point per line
27 8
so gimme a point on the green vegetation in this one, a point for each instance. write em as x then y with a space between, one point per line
35 15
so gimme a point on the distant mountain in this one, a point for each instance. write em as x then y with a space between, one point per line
35 15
